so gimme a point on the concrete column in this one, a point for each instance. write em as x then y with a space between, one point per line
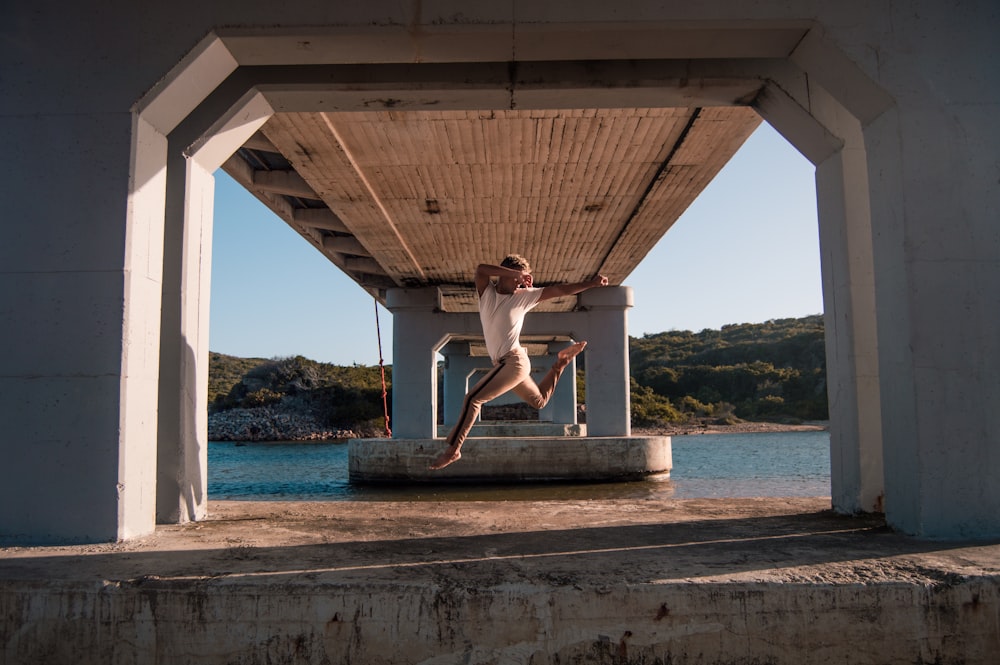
852 354
830 136
608 389
419 330
198 146
79 295
562 406
937 269
457 368
182 482
416 335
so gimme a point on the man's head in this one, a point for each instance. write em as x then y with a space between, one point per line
516 262
510 284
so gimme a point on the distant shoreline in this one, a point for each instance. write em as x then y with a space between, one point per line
746 427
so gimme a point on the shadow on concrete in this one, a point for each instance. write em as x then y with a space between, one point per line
287 547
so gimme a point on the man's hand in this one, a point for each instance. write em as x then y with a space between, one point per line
600 280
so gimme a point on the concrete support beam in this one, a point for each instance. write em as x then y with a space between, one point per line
345 245
367 266
288 183
319 218
260 142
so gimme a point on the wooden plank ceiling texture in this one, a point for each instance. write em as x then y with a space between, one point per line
419 198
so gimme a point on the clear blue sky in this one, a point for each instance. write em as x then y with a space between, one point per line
747 250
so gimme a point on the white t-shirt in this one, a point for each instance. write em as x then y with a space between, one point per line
502 316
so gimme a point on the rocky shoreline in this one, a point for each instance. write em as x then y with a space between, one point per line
266 423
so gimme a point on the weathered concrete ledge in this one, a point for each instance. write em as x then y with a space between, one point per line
712 582
502 459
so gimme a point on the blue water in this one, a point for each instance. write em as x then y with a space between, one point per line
705 465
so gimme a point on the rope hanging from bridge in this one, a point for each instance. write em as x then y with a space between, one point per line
381 364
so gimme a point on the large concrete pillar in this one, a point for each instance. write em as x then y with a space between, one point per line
414 371
935 206
856 464
605 312
419 330
827 130
79 284
198 147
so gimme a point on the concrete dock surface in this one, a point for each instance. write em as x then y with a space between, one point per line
768 580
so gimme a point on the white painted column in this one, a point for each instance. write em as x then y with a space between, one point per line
856 464
605 322
182 432
198 147
415 337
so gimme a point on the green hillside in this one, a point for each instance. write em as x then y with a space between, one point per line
767 371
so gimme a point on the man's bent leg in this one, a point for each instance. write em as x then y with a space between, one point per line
539 395
509 372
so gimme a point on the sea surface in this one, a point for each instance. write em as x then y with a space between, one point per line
705 466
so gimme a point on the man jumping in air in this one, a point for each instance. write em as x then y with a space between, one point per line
502 307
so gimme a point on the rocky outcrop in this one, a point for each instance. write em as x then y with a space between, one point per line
270 423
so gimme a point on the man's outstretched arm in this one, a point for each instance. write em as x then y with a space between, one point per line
571 289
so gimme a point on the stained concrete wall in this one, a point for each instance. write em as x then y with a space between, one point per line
444 623
91 96
572 581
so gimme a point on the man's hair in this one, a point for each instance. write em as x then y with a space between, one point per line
516 262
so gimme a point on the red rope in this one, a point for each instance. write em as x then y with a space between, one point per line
381 364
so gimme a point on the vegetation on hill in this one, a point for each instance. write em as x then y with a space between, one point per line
773 371
768 371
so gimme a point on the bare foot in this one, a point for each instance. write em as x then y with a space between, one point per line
570 352
447 457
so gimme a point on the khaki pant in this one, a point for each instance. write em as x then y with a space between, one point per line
512 372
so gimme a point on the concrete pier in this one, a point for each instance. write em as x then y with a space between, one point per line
501 459
777 581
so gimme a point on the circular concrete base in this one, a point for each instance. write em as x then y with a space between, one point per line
512 459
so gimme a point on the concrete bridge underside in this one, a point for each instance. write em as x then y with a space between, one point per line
105 267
